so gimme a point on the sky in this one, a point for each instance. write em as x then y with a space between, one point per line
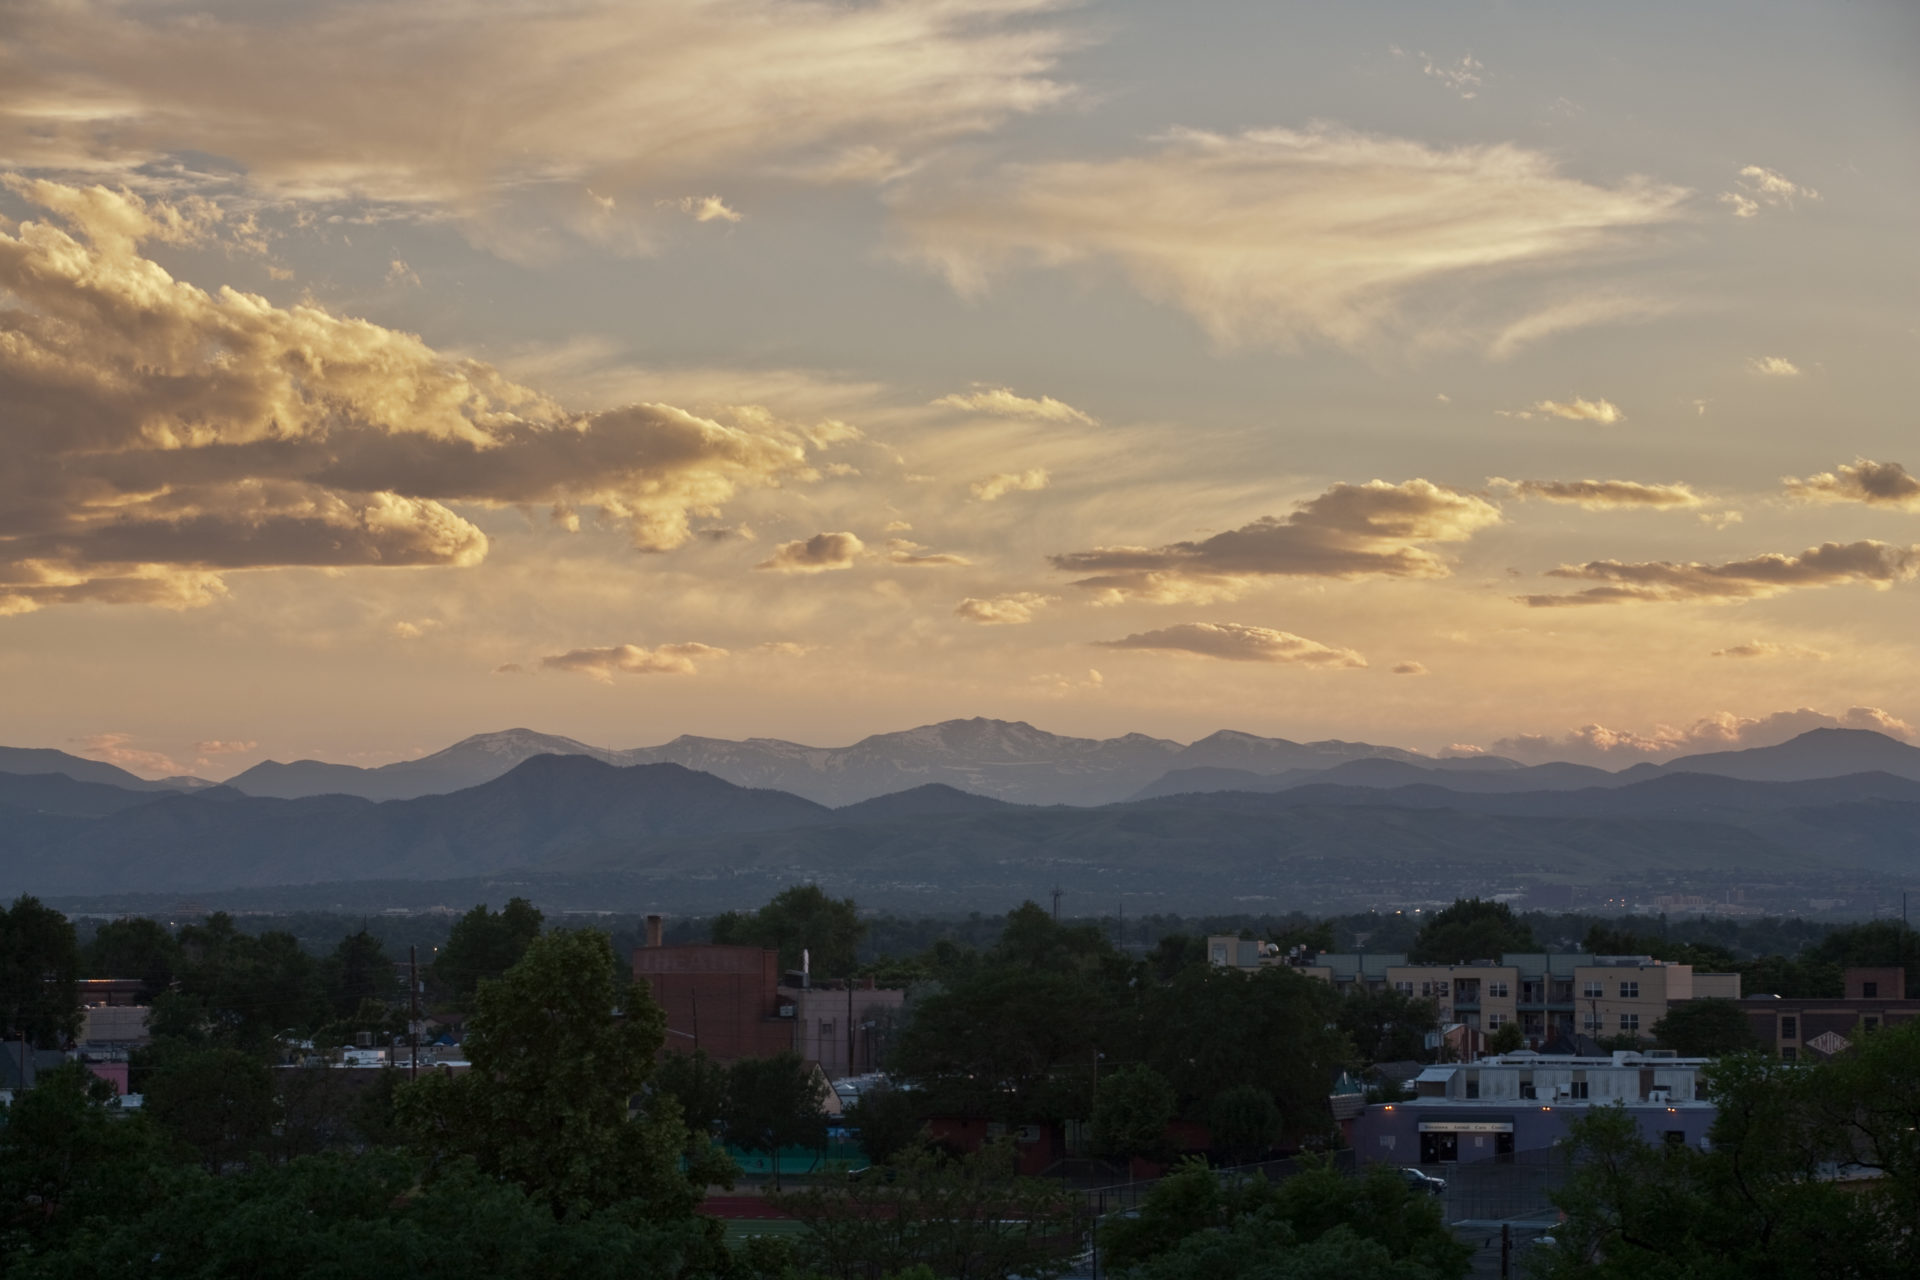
1528 378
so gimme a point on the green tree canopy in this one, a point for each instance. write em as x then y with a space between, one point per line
39 962
802 918
1243 1121
134 947
888 1120
546 1103
1386 1025
1705 1028
772 1103
1470 930
217 1103
1132 1108
67 1163
359 971
485 944
248 988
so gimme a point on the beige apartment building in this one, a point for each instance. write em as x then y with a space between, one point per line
1547 995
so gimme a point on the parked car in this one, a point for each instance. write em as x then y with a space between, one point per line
1422 1181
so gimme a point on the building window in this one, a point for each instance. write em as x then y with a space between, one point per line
1495 1021
1871 1024
1578 1090
1629 991
1497 990
1789 1028
1869 991
1630 1022
1591 1023
1404 988
1593 991
1789 1053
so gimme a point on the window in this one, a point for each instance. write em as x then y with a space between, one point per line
1497 990
1593 991
1789 1028
1577 1090
1404 988
1591 1023
1789 1053
1869 991
1630 1022
1629 991
1871 1024
1495 1021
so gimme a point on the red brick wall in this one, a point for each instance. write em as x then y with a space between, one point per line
719 999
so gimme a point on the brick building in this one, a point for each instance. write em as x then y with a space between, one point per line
1807 1029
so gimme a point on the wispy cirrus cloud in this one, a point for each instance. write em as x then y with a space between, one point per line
1004 403
1349 531
1601 495
583 103
633 660
1237 642
1876 564
1878 484
160 436
1279 235
1769 649
1759 188
1002 483
913 555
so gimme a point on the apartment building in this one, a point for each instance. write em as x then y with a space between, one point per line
1547 995
1806 1029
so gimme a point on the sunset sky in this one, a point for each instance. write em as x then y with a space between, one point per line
1536 378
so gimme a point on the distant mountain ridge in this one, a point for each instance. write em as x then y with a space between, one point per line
1007 760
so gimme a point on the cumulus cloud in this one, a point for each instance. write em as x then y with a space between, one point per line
1757 188
1349 531
1600 495
475 105
1880 484
631 659
1409 669
1878 564
914 555
821 552
1774 366
1768 649
118 749
1278 235
158 435
219 747
1615 748
1604 412
1003 403
1002 483
1237 642
706 209
1007 610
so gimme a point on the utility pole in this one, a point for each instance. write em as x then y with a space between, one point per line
849 1024
413 1011
1057 894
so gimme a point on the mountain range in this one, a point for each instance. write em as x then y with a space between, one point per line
661 832
1014 761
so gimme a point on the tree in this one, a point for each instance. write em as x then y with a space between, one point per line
888 1120
698 1085
1243 1121
1766 1199
39 963
1131 1110
802 918
1197 1223
217 1103
68 1163
357 972
1008 1043
546 1103
969 1218
1470 930
248 989
1506 1038
1386 1025
484 944
773 1103
134 947
1705 1028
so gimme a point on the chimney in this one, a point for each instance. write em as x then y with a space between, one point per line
653 931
